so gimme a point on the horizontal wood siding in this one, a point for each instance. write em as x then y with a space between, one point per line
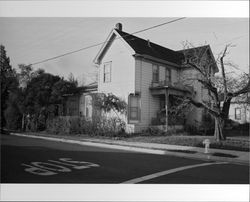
189 77
122 75
149 104
122 71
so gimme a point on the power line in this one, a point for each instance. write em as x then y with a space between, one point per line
98 44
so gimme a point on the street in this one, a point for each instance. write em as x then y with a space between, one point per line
28 160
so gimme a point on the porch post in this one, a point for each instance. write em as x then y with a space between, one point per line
166 107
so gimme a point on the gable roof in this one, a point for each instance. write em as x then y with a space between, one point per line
145 47
199 52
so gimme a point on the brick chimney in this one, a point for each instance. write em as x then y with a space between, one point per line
118 26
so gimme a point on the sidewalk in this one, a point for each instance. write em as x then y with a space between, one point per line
154 148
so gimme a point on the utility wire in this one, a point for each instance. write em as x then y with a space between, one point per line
98 44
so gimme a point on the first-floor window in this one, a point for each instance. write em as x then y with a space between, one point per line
134 108
237 113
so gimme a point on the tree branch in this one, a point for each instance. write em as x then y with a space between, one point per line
202 105
223 70
209 86
197 68
245 89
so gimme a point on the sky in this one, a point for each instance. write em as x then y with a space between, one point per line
30 40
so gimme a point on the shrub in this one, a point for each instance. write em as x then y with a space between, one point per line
101 126
192 130
13 117
152 131
58 125
244 127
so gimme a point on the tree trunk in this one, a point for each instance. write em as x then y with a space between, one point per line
225 111
23 122
218 130
226 107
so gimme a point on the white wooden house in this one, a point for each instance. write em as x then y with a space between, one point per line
148 76
240 109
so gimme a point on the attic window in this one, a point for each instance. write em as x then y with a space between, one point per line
107 72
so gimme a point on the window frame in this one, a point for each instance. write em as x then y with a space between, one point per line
107 64
137 109
237 116
154 73
169 76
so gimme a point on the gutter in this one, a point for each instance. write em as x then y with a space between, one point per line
156 60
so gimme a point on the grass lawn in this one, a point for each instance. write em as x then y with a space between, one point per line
239 143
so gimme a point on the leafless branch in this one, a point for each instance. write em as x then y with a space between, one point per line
225 52
245 89
197 68
202 105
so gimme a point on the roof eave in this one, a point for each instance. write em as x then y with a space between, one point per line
151 58
108 42
215 64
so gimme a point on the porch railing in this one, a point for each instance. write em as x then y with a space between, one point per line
178 85
161 83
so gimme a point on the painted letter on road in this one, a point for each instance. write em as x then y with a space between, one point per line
38 171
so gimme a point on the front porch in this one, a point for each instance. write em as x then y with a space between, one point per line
169 97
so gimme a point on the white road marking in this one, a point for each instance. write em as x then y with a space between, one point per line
50 166
166 172
44 168
38 171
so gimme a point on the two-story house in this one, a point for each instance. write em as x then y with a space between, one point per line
148 77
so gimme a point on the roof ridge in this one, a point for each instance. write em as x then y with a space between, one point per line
141 46
193 48
145 40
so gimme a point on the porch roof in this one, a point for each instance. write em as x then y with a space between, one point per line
172 90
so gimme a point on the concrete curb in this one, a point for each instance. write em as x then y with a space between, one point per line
243 158
95 144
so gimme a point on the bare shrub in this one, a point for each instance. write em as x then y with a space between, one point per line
98 126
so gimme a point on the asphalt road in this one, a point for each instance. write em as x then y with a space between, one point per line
28 160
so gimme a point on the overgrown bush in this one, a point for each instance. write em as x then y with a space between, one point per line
98 126
13 117
152 131
192 130
244 127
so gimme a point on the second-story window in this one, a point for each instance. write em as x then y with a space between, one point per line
107 72
155 74
168 76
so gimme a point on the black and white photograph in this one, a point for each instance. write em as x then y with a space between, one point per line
121 107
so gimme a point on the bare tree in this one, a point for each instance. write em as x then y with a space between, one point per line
204 67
